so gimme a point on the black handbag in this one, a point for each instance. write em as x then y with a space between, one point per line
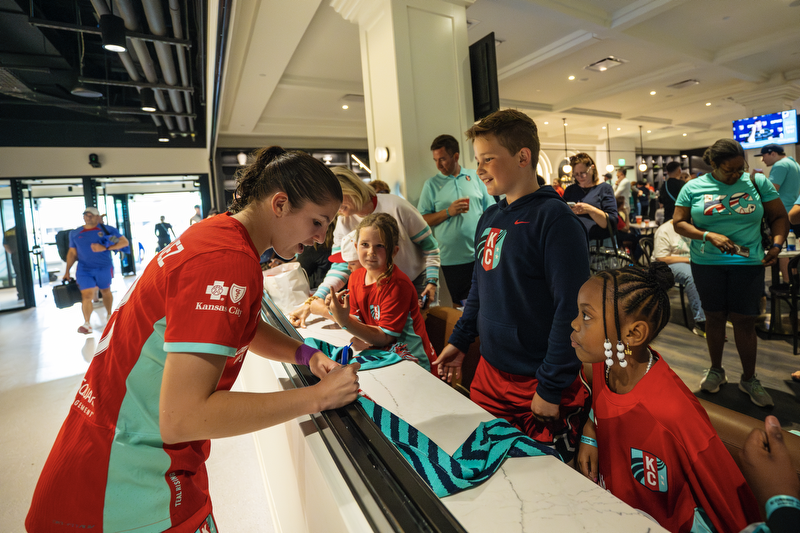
67 294
605 258
766 232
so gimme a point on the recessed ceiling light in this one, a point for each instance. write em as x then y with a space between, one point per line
708 103
652 93
345 106
566 124
547 123
604 127
648 131
571 78
685 134
605 64
618 129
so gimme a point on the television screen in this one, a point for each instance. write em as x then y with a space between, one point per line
483 66
775 128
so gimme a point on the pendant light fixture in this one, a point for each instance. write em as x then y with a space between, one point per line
163 134
112 28
610 165
148 100
79 89
566 168
642 165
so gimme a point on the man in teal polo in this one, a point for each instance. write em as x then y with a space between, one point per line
451 203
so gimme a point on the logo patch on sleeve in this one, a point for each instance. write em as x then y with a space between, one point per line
237 293
649 470
217 291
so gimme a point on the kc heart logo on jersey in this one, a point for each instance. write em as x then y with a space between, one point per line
649 470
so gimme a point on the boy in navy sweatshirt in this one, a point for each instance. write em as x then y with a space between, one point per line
531 258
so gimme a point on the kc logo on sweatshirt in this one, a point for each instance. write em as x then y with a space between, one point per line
490 246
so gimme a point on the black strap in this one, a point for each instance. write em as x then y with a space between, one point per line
612 231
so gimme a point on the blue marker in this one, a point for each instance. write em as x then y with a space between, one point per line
346 353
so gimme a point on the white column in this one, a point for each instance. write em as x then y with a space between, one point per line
415 65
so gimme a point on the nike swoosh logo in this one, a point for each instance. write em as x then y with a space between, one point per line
520 222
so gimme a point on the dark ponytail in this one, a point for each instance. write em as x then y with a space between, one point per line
641 293
300 176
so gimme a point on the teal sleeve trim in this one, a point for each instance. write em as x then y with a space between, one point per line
336 278
429 244
199 347
591 416
779 501
422 234
390 332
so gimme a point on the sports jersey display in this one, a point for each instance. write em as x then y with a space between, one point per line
659 453
82 239
109 469
393 307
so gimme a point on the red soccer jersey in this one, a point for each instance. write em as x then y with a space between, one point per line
395 309
659 453
108 469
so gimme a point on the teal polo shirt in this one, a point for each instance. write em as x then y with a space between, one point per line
456 235
785 173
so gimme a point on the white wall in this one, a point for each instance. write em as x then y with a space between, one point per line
19 162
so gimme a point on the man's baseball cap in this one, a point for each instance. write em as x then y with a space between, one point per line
777 148
91 211
348 252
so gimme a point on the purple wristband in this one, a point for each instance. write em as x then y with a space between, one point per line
303 354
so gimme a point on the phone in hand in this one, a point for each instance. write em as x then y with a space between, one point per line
571 204
424 302
744 251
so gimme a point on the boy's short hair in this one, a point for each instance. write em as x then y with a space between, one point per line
513 129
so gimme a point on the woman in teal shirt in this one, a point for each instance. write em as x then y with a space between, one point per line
721 211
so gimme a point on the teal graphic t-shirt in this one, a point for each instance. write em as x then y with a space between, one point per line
732 210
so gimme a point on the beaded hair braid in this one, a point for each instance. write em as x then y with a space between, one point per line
640 292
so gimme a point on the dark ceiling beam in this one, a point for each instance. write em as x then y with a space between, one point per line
140 84
96 31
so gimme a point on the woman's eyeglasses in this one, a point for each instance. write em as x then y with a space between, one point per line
582 174
737 172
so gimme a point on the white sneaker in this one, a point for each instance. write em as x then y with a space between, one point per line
86 329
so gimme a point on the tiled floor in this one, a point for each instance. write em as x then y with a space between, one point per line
42 361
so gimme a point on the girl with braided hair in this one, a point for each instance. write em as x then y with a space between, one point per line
381 308
648 440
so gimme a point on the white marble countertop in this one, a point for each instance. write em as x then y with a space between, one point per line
526 494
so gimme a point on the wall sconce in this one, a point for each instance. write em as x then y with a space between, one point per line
112 28
241 157
381 154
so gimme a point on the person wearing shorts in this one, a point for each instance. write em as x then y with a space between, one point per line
721 212
90 245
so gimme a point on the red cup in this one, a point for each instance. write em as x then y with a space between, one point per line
638 219
466 200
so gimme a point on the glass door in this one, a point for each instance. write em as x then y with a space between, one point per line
12 295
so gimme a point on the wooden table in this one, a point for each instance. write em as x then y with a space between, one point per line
649 228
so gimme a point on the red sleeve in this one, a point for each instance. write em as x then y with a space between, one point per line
395 298
354 285
211 300
720 489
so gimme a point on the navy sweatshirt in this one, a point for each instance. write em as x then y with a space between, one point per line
531 259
